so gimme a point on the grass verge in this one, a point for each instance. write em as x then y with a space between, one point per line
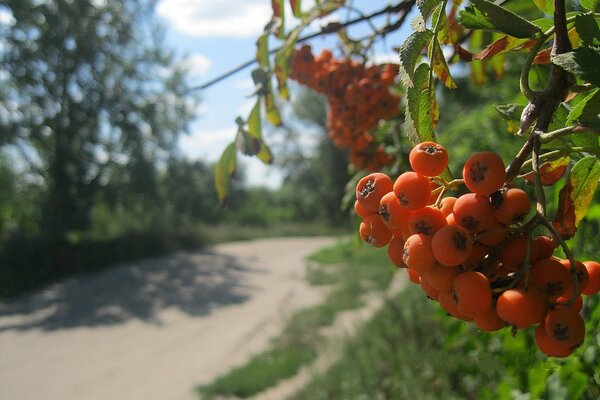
351 271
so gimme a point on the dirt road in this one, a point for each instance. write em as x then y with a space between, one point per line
153 329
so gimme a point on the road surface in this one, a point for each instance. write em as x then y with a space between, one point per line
153 329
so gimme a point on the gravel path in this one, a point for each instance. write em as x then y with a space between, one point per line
153 329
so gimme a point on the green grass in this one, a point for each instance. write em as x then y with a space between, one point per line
351 271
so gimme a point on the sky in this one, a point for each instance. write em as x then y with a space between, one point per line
216 36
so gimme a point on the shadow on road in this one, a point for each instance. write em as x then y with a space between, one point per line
194 283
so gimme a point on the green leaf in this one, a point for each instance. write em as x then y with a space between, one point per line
589 5
546 6
511 113
427 6
224 170
582 62
262 51
576 196
587 29
486 15
420 113
410 52
273 115
586 109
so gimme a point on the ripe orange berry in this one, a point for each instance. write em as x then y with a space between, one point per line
583 278
451 245
473 212
549 346
448 302
413 275
577 305
442 277
472 289
593 269
493 235
565 325
429 290
489 321
477 256
522 308
395 251
447 205
426 220
360 210
412 189
417 253
545 246
514 253
514 206
373 231
551 277
483 173
428 158
394 216
371 189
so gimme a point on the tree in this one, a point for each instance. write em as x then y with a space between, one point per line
90 94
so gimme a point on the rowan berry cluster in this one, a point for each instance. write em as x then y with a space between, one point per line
358 98
474 254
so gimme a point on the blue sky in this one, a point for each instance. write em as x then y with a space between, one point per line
217 36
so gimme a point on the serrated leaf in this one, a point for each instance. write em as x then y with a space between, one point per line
550 172
440 67
587 29
546 6
586 109
582 62
427 6
576 196
487 15
511 113
589 5
224 170
296 6
410 52
421 107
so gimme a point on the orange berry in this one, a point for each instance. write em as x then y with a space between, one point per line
514 206
426 220
477 256
371 189
549 346
451 245
545 246
493 235
413 275
428 158
565 325
489 321
447 205
429 290
483 173
395 251
577 304
448 302
360 210
593 269
514 253
473 212
472 289
394 216
583 278
442 277
551 277
522 308
412 189
417 253
373 231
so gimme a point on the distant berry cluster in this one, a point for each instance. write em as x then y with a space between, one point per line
358 98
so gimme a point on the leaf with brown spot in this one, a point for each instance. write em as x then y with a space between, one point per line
550 172
543 57
492 49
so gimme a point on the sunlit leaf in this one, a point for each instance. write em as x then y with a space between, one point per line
426 7
576 196
582 62
492 49
410 52
262 51
440 67
483 14
273 115
588 4
224 170
546 6
550 172
586 109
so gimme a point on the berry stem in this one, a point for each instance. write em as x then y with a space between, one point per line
539 188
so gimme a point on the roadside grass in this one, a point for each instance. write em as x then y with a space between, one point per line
404 353
351 270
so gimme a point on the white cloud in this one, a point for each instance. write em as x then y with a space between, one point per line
206 145
197 64
210 18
